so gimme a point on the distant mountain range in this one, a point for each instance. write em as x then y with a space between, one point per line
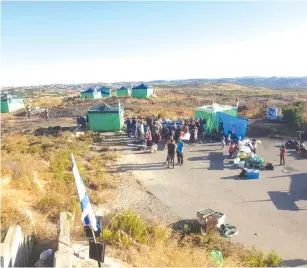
251 81
294 83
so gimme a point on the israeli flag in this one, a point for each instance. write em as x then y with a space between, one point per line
88 216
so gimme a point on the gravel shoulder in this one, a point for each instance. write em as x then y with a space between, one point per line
131 194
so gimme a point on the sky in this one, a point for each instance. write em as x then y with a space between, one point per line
83 42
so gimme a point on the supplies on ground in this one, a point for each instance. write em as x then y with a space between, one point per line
213 220
216 257
249 173
228 230
254 161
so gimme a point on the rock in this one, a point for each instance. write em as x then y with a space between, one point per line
79 133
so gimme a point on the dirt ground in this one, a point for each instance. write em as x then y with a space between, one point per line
270 213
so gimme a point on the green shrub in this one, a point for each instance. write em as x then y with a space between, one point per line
256 258
293 115
127 228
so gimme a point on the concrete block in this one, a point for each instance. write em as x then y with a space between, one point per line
5 255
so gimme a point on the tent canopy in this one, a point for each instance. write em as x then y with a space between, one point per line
123 88
89 90
11 103
141 86
209 113
230 123
104 109
105 91
105 118
215 108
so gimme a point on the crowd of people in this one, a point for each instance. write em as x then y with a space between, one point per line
154 129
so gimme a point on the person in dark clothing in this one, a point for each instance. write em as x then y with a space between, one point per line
78 121
221 126
152 122
282 155
171 147
83 122
128 123
133 126
197 124
177 134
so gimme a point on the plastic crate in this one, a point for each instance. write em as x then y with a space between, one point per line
252 174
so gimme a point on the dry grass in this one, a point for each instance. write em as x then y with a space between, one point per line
46 101
39 168
144 244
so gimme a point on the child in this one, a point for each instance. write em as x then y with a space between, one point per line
282 155
231 150
229 139
223 141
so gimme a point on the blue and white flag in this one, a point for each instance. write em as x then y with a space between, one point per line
88 216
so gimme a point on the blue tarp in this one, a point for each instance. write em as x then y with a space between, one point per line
88 90
141 86
240 124
105 90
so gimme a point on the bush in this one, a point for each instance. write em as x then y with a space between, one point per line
256 258
127 228
294 115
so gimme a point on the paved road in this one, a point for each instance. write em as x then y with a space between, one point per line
270 213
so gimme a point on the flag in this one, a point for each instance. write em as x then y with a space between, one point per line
88 216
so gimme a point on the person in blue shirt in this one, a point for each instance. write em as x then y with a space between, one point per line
128 123
133 127
180 146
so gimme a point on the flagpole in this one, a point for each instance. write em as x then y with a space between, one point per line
84 199
98 255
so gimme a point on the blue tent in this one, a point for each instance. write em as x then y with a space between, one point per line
229 121
105 92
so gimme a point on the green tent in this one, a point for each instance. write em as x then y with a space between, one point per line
105 118
142 92
105 92
209 113
123 92
11 103
91 94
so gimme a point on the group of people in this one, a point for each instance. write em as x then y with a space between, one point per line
46 112
82 121
173 147
235 143
154 130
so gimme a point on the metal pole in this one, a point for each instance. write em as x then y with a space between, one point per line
99 264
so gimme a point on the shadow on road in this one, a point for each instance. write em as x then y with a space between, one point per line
216 161
132 167
286 200
200 151
234 177
294 263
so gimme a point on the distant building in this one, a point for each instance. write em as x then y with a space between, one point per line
90 94
106 92
105 118
142 91
123 92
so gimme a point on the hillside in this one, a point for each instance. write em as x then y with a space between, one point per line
293 83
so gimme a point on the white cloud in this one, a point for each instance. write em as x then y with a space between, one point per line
280 54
